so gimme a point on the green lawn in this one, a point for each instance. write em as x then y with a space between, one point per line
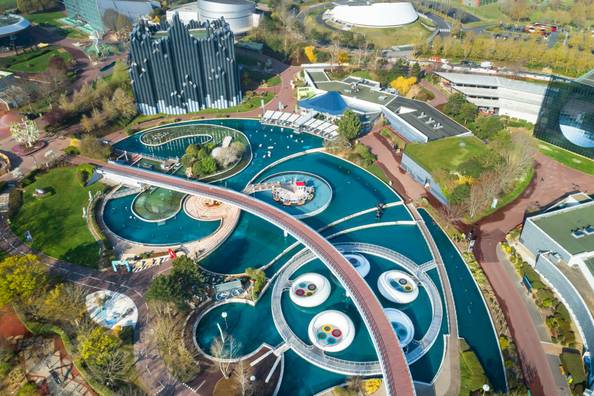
55 222
472 374
445 154
35 61
245 105
567 158
7 5
52 19
383 38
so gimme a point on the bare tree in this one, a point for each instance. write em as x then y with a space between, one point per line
477 200
243 373
225 350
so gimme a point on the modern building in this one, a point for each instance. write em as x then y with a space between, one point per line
498 95
374 15
559 242
91 12
239 14
566 118
177 68
416 121
11 25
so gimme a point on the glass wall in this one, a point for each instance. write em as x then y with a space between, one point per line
566 118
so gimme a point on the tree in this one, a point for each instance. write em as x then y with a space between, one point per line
416 71
488 126
180 285
25 132
225 349
343 57
258 279
349 125
65 302
96 346
403 84
310 53
468 113
56 73
124 103
21 278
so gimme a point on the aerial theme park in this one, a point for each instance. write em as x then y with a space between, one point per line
232 198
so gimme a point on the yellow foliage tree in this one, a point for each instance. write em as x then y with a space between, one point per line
310 53
343 57
403 84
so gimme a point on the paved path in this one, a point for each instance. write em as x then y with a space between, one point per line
551 181
440 96
397 376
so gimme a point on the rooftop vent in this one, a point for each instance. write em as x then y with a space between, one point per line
422 115
437 126
429 121
578 233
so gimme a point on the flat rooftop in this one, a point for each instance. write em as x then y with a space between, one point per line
418 114
560 225
587 79
484 80
363 92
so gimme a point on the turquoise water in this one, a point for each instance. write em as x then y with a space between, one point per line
283 142
321 197
472 314
254 243
179 229
250 326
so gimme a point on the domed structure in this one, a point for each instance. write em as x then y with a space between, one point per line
11 24
310 290
331 331
398 287
360 263
377 15
403 326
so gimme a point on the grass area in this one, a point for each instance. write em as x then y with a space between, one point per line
566 157
472 374
52 19
7 5
573 365
274 81
247 104
383 38
377 171
35 61
446 154
55 221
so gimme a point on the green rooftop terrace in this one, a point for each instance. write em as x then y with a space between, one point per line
560 225
363 92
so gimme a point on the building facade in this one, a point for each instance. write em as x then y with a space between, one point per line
177 68
559 243
498 95
239 14
567 115
91 11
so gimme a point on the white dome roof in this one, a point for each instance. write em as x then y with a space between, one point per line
375 15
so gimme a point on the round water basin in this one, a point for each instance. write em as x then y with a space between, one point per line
331 331
360 263
398 287
403 326
310 290
301 194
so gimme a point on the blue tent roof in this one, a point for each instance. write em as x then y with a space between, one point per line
329 103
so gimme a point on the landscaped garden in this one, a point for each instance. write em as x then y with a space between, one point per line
35 61
566 157
54 220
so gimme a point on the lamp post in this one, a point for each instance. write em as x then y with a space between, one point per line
224 316
486 388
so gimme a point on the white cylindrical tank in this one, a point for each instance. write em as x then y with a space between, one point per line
360 263
403 326
398 287
237 13
310 290
331 331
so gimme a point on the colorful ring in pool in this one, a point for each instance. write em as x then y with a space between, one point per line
336 333
303 284
327 328
331 340
321 335
402 281
311 286
300 292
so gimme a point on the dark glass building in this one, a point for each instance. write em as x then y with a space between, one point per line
566 117
177 68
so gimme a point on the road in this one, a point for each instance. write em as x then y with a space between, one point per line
551 181
397 377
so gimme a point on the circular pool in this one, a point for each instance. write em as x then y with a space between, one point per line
310 290
360 263
398 287
403 326
331 331
284 189
157 204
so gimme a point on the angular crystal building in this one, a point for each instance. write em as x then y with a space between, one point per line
179 68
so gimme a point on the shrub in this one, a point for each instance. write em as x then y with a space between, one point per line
92 147
72 150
